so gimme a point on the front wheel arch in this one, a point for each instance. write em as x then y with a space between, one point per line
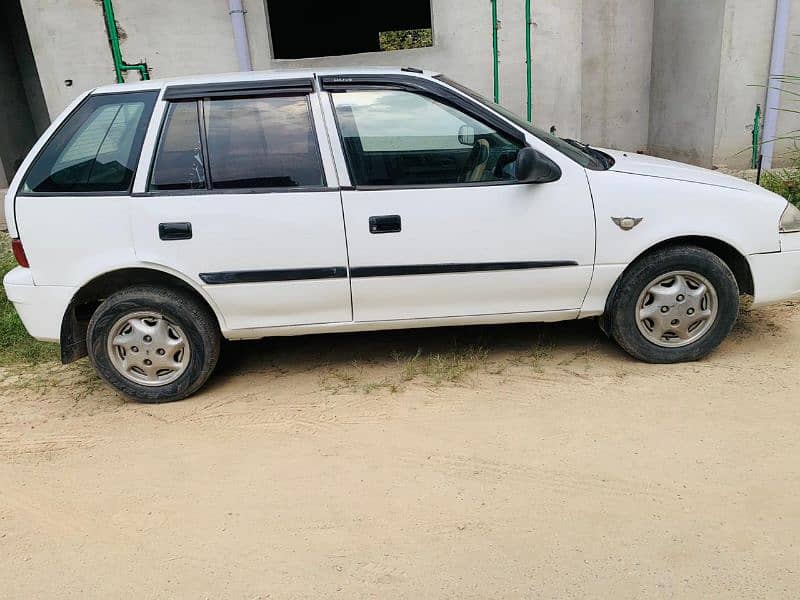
732 257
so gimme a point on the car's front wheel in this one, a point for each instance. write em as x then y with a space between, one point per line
153 344
674 305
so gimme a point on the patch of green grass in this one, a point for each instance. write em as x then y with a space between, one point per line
16 346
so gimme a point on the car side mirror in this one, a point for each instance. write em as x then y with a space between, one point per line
466 135
532 166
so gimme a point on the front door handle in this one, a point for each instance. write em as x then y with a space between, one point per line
175 231
385 224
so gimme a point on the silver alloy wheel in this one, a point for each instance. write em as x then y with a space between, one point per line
676 309
148 349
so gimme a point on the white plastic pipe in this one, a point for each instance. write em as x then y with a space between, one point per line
774 82
240 35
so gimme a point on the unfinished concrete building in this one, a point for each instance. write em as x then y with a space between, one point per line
675 78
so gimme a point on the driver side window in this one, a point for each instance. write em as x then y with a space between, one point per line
400 138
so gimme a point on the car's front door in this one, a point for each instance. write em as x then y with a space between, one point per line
239 201
436 224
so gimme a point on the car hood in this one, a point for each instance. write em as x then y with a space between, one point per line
650 166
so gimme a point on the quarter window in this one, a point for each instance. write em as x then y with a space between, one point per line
179 159
399 138
97 148
262 143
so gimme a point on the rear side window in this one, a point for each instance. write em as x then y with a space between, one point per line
262 143
237 144
97 148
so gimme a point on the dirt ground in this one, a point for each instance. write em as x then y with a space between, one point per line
520 461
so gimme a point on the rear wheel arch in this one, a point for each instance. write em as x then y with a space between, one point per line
89 296
731 256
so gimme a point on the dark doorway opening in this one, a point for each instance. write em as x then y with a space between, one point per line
23 112
310 28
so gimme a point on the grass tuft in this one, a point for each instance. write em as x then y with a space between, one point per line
452 366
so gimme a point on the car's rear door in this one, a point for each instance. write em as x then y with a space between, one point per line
437 225
242 199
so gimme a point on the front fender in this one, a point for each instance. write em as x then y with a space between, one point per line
744 220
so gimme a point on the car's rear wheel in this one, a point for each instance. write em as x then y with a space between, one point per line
674 305
153 344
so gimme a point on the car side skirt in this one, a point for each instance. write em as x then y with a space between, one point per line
350 326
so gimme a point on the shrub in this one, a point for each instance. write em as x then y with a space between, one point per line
785 182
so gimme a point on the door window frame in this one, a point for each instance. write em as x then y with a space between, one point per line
424 87
201 93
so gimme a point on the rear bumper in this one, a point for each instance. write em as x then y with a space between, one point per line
41 307
776 276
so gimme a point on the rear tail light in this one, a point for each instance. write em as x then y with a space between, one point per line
19 253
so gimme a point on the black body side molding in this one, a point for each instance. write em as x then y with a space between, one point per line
227 277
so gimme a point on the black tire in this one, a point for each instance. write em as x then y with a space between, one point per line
180 308
624 309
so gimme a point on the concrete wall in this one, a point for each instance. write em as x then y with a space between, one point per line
463 50
462 47
176 38
687 38
667 76
188 38
69 42
617 58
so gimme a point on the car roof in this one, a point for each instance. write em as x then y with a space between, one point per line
157 84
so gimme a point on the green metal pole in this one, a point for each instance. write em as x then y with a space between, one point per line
528 56
756 135
113 38
495 59
116 53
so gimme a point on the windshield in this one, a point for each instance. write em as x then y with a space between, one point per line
584 155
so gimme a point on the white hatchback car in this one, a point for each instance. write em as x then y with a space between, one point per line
154 218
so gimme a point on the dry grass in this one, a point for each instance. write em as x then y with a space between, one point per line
459 365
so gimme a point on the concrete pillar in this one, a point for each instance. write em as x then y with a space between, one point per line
617 58
687 41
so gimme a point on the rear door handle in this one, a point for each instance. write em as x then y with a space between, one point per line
385 224
175 231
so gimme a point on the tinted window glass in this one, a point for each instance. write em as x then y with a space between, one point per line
262 143
402 138
583 157
97 149
179 158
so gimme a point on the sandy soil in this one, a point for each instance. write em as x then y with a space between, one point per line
526 461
